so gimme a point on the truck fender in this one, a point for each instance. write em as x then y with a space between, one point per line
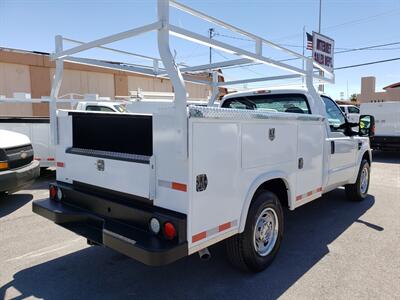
364 149
253 188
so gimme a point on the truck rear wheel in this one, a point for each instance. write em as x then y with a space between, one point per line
359 190
255 248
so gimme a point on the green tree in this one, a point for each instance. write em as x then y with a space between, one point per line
353 97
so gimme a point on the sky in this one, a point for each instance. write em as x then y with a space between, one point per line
32 25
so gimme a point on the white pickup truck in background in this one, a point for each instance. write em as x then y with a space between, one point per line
158 187
38 128
387 124
351 112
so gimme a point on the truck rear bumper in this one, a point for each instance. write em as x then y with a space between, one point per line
14 180
389 143
118 229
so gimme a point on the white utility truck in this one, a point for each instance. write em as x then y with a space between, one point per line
162 186
387 124
38 128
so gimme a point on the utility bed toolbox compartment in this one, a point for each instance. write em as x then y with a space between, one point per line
115 133
110 151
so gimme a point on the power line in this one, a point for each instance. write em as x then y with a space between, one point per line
371 47
345 50
368 63
357 21
299 46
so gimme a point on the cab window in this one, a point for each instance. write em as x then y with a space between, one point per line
289 103
98 108
120 108
336 119
353 110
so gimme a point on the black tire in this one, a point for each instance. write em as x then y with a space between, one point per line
354 191
241 249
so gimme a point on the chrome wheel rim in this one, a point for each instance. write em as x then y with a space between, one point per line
364 179
266 232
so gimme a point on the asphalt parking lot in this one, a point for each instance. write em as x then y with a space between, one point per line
332 249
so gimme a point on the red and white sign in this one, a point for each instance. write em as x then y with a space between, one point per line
323 50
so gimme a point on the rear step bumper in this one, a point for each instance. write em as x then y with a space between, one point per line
117 231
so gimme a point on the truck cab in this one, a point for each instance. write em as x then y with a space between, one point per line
104 106
17 167
351 112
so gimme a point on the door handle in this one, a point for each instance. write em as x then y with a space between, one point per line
332 147
300 163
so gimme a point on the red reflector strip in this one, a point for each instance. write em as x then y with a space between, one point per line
199 236
179 186
60 164
202 235
173 185
308 194
50 159
37 158
224 226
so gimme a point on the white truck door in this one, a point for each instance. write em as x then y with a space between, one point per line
310 149
343 148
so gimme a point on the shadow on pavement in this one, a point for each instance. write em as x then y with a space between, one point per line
46 176
100 273
11 203
386 157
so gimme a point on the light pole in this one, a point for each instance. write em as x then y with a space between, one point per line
321 73
211 34
320 12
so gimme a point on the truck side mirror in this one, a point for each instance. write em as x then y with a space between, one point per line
366 125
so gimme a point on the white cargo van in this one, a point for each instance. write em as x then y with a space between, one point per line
387 124
17 167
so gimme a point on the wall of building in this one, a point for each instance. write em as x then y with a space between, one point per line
369 94
85 82
14 78
28 72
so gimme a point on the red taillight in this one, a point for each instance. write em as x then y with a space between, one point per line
53 192
169 231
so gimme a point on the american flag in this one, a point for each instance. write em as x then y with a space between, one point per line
309 41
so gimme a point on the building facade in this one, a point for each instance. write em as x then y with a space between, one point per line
31 72
369 93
